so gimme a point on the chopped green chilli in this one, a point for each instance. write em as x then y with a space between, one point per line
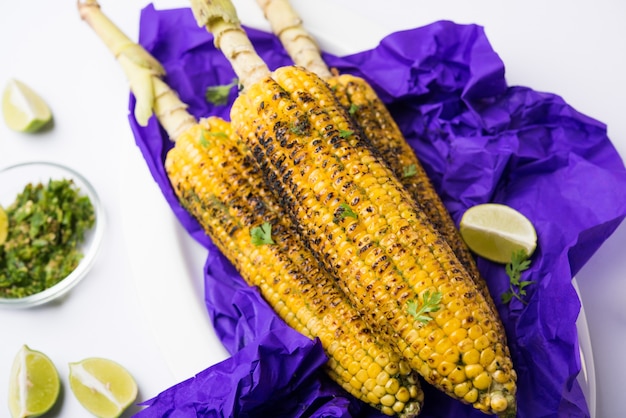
46 225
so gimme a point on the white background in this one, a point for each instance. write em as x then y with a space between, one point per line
572 48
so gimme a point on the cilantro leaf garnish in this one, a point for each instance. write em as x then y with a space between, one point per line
344 133
262 234
345 211
517 287
430 303
353 109
409 170
218 95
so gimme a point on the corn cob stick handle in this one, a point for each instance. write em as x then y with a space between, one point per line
221 19
377 124
143 73
223 190
365 228
300 45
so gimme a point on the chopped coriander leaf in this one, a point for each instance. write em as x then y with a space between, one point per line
409 170
218 95
46 225
353 108
431 302
345 211
517 287
300 127
262 234
204 140
344 133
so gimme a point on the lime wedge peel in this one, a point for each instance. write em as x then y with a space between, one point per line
23 109
34 384
102 386
495 231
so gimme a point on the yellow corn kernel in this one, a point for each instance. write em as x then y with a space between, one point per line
471 357
482 381
392 386
473 370
487 356
471 396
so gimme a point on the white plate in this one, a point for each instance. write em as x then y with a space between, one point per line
168 276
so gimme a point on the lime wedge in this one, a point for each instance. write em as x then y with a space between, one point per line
34 384
23 109
102 386
496 231
4 225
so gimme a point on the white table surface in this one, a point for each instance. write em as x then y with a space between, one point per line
572 48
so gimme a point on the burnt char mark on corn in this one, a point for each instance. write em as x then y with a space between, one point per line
223 189
386 223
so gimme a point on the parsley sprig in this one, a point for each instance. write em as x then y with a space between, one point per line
345 211
517 287
353 109
218 95
409 170
345 133
430 303
262 234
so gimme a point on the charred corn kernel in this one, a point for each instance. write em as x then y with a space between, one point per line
425 353
474 332
327 148
359 354
434 360
223 189
452 355
465 345
457 375
445 368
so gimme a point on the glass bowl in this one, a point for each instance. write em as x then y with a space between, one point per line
13 179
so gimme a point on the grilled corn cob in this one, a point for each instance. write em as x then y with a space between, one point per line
363 226
378 126
222 189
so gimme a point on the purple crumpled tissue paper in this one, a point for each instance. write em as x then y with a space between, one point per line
480 140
